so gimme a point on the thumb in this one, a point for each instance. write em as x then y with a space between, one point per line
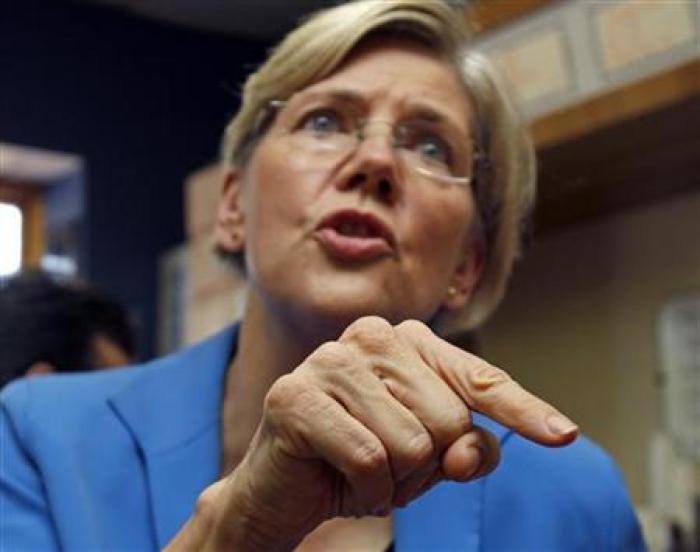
471 456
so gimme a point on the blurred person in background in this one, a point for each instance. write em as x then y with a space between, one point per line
52 326
376 188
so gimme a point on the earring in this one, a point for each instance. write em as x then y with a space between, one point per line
451 291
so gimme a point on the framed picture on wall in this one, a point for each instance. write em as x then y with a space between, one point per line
679 347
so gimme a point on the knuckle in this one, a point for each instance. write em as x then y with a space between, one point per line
371 333
330 355
413 327
419 450
485 376
368 458
454 420
284 393
292 408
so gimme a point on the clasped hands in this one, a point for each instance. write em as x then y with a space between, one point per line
365 424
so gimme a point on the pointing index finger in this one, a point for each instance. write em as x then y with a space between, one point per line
491 391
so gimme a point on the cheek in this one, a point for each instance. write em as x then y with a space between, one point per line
279 195
441 227
282 181
273 196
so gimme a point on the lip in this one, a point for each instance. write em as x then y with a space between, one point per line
380 243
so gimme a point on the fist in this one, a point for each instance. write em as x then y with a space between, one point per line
373 420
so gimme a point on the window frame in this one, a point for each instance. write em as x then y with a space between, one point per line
29 199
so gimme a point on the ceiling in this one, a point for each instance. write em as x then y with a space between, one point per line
616 167
258 19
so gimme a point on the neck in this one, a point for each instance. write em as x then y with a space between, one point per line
269 346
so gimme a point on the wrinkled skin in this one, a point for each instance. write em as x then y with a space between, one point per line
365 424
369 420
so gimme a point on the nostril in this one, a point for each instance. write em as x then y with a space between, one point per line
357 180
385 187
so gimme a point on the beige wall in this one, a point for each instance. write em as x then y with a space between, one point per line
579 323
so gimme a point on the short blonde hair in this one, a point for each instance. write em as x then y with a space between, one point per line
505 170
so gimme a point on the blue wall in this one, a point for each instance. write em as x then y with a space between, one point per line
143 103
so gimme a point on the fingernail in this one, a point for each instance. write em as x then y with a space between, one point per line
560 425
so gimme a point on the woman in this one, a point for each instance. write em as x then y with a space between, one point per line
376 186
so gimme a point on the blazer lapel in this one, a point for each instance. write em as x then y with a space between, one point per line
448 517
173 412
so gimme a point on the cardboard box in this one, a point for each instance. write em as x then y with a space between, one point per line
210 314
216 291
202 192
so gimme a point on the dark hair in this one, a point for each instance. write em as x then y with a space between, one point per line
42 319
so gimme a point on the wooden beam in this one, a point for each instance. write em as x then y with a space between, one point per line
30 200
634 162
15 192
627 102
34 232
486 15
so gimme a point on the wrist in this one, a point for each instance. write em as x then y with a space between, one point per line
235 520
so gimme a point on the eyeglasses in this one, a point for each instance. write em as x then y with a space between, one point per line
332 131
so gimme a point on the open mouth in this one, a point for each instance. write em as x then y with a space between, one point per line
355 236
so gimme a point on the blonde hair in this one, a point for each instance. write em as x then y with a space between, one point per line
505 171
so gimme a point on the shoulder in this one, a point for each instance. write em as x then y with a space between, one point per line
63 404
64 408
592 465
66 396
573 494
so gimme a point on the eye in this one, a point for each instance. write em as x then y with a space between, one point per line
322 122
433 149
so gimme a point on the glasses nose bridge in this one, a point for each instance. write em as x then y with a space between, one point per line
364 130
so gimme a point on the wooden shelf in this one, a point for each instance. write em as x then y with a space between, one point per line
618 105
630 147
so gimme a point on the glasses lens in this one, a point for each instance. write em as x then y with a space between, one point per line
328 130
432 151
323 129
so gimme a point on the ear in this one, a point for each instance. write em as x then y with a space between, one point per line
465 277
40 368
229 230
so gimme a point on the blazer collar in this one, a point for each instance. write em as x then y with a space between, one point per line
171 399
172 408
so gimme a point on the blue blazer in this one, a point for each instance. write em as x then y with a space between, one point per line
116 460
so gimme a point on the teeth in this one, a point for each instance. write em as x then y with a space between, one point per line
349 228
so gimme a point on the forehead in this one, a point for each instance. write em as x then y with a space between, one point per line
398 74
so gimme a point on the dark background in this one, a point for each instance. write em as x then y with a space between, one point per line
143 103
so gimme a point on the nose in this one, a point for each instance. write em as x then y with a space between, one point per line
373 168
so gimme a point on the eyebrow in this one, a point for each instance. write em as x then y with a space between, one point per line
339 95
423 111
417 109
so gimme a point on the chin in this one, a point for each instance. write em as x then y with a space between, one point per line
337 306
326 299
